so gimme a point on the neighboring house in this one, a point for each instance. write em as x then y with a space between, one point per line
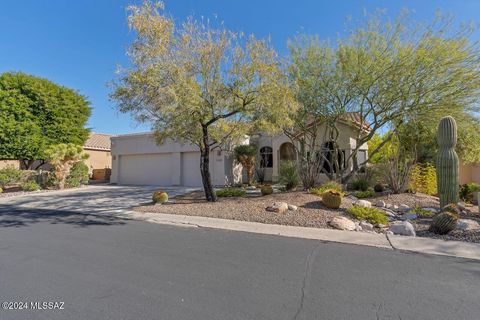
99 162
469 173
138 160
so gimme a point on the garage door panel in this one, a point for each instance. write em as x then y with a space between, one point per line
191 176
146 169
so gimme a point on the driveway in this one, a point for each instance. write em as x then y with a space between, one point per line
92 199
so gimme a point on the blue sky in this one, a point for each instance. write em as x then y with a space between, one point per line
79 43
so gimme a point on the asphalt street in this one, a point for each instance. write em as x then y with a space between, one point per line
104 267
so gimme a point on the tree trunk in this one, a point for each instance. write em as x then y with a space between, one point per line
28 164
210 194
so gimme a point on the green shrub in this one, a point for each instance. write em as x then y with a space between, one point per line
78 175
30 186
160 196
423 179
329 185
378 187
364 194
419 211
372 215
467 190
10 175
288 175
360 183
231 192
266 190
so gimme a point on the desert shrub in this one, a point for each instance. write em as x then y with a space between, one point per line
364 194
10 175
372 215
329 185
231 192
266 190
419 211
288 175
78 175
467 190
378 187
160 196
423 179
30 186
361 183
1 190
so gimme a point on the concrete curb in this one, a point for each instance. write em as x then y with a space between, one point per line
410 244
436 246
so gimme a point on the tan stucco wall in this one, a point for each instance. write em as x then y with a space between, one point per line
98 159
345 141
173 153
469 173
6 163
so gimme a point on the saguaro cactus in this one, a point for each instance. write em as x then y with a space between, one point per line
447 162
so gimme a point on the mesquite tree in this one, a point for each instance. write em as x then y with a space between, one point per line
200 84
385 73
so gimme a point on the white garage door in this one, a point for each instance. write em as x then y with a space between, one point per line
145 169
191 176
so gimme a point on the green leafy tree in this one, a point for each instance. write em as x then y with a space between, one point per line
36 113
386 72
200 84
63 157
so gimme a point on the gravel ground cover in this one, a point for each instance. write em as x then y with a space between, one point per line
310 213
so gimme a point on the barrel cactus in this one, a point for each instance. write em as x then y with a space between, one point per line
266 190
447 161
160 196
444 223
332 199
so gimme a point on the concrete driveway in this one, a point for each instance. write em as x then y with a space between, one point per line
90 199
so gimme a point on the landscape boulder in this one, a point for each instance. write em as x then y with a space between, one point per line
403 208
403 228
278 207
409 216
467 225
363 203
366 226
381 204
342 223
292 207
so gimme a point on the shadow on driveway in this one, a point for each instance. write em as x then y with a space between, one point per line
11 216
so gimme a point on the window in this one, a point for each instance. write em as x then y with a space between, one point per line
266 157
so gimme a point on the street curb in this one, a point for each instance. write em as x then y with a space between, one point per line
451 248
394 242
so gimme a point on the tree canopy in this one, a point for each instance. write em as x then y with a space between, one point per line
36 113
200 83
390 73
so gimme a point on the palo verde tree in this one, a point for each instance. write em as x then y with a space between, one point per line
200 84
36 113
384 72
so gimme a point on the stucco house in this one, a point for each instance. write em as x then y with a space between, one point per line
138 160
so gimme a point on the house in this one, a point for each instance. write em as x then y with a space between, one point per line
138 160
99 162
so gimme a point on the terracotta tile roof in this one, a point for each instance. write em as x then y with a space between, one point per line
98 141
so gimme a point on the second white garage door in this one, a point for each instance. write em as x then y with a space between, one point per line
145 169
191 176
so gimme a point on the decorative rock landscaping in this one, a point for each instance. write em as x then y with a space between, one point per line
403 228
342 223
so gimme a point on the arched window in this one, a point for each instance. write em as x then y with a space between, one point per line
266 157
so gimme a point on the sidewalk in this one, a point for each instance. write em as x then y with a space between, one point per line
412 244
